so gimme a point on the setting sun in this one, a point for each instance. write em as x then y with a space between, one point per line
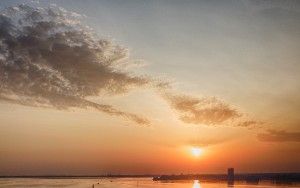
196 151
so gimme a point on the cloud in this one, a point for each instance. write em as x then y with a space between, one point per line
209 111
250 123
49 59
279 136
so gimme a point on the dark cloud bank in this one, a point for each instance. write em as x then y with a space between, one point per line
49 59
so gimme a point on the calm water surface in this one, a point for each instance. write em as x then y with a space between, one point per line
121 183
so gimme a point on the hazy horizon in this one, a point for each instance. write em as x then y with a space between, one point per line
149 87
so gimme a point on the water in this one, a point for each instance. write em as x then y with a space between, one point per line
122 183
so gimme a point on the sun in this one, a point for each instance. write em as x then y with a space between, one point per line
196 151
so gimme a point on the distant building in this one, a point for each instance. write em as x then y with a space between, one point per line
230 176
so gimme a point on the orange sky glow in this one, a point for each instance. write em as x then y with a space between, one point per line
151 87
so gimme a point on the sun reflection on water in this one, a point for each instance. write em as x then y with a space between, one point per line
196 184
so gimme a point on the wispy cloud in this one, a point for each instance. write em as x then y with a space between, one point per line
209 111
279 136
249 123
49 59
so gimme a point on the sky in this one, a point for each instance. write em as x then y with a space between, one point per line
130 87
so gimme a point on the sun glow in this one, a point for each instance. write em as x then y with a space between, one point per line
196 151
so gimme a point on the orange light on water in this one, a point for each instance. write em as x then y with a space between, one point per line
196 184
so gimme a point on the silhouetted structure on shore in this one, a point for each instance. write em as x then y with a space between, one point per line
230 177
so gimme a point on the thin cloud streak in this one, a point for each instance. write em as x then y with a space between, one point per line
279 136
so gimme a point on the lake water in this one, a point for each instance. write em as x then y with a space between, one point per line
121 183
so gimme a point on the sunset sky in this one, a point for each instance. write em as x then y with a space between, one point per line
149 87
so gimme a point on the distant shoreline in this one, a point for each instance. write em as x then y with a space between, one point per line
79 176
237 176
